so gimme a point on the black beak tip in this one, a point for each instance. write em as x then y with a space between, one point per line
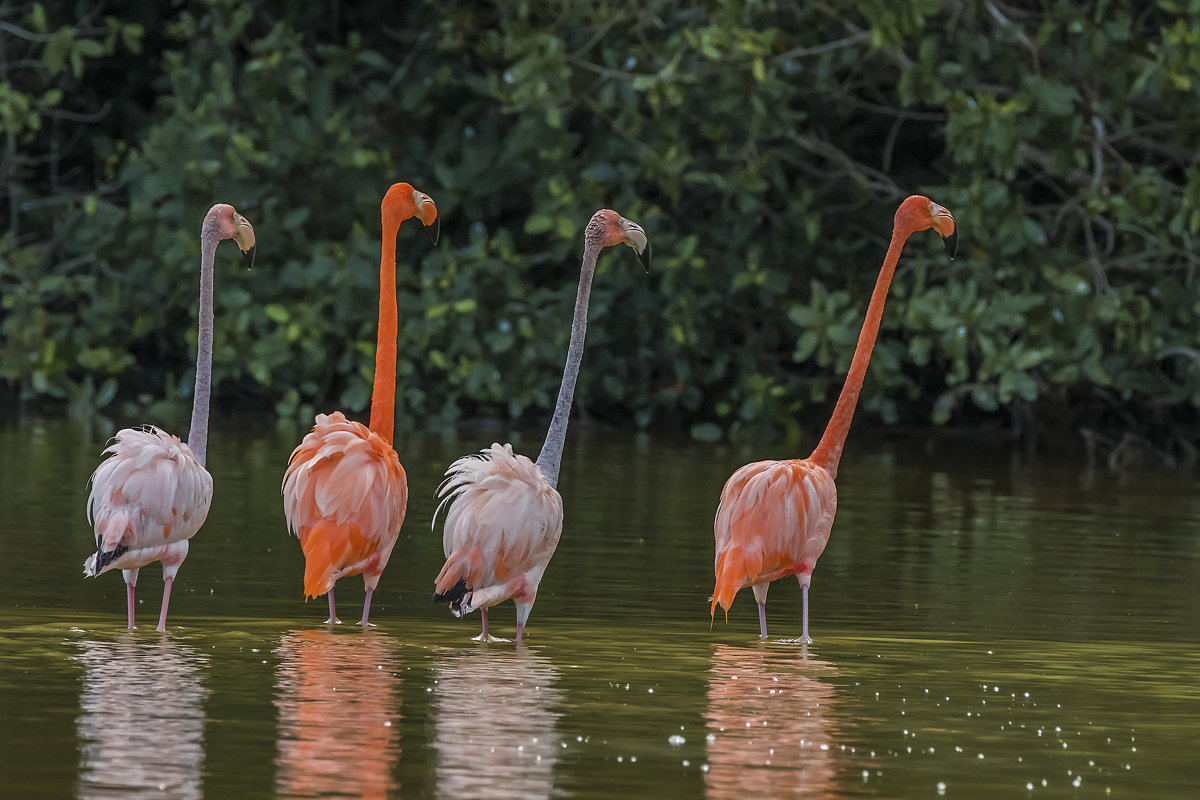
248 257
433 230
952 244
644 257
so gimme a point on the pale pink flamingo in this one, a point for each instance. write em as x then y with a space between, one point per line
344 492
504 513
774 517
152 493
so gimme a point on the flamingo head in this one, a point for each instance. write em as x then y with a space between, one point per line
919 213
403 202
226 223
608 228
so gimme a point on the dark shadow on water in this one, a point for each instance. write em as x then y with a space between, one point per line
495 724
338 698
141 722
769 723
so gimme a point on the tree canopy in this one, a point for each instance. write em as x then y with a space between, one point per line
762 145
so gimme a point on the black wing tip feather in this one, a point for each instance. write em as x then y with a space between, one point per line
454 595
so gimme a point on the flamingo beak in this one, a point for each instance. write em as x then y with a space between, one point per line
245 241
427 213
943 223
635 237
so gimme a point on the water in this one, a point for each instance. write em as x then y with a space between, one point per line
985 627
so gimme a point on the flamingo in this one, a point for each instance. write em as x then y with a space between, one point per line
774 517
344 492
504 514
152 493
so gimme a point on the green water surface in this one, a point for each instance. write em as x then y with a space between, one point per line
985 626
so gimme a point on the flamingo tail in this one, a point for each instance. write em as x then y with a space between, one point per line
455 582
324 544
731 572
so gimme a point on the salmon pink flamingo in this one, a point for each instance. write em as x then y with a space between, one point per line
774 517
504 514
152 493
344 492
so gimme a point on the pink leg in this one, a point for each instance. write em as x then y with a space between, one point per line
129 602
483 637
762 620
162 615
804 627
333 620
366 608
520 630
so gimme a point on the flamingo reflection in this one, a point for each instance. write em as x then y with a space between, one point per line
141 726
768 716
339 715
494 724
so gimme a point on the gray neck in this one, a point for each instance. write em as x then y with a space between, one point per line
550 458
198 432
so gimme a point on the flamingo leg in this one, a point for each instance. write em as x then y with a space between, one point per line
804 637
483 636
129 602
523 610
162 615
366 607
333 620
760 594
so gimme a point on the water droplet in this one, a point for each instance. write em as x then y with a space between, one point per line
675 739
941 787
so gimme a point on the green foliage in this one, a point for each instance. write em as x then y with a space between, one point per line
763 146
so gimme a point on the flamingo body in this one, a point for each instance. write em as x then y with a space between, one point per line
344 491
152 493
505 513
148 498
774 517
773 521
502 526
344 496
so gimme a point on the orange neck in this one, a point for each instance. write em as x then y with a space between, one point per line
829 449
383 393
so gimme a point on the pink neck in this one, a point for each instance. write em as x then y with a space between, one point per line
383 392
829 450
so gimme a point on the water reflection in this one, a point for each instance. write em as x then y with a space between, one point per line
769 725
141 727
494 724
338 697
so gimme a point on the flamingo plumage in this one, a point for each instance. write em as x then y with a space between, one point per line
774 517
152 493
503 511
344 491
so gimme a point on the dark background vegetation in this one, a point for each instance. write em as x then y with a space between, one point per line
763 145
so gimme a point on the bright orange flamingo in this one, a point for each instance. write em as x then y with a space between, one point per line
152 493
344 492
505 514
774 517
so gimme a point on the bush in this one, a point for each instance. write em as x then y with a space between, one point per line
763 146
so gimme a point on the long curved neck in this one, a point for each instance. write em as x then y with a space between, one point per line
829 450
198 431
550 458
383 392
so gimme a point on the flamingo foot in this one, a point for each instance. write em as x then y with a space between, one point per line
129 603
333 617
162 615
